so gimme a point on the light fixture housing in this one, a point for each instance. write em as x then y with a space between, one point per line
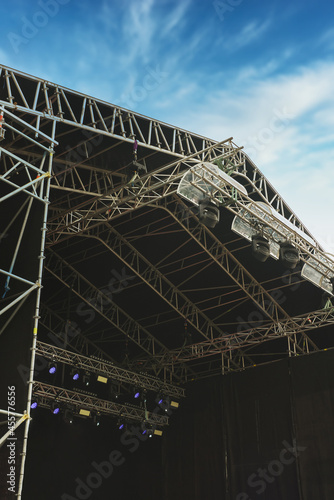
52 367
260 247
208 213
75 374
84 413
68 416
34 404
55 407
289 255
86 379
316 272
97 419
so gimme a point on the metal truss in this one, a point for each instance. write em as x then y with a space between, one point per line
33 181
227 343
150 275
261 219
44 101
48 393
105 307
230 264
67 333
102 367
48 101
139 192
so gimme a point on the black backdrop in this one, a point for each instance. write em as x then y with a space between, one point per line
265 434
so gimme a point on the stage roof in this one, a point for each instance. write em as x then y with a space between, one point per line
132 265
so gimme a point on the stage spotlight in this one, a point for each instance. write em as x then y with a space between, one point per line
208 213
102 379
143 428
136 393
55 407
75 374
34 404
332 283
160 399
96 419
114 390
86 379
158 432
289 255
68 416
121 424
150 432
260 247
52 367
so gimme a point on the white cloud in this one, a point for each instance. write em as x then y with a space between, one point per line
251 32
285 122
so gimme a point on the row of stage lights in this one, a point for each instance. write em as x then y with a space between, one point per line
163 401
137 393
123 424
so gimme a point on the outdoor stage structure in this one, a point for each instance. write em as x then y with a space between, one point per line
163 257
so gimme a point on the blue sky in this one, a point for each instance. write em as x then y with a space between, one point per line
262 72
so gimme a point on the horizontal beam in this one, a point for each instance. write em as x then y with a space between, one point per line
103 367
230 342
48 393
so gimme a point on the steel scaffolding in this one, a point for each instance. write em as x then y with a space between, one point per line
75 155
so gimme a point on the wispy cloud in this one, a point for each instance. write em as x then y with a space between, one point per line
251 32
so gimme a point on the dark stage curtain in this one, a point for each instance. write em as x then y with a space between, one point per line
266 433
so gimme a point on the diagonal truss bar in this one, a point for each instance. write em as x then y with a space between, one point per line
230 342
102 304
47 393
107 368
139 192
150 275
63 332
225 259
12 163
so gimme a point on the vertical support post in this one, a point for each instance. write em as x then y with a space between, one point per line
36 315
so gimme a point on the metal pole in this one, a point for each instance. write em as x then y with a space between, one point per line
36 317
10 432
